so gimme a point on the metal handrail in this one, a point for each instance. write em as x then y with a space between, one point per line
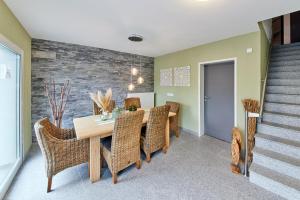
247 115
246 145
265 83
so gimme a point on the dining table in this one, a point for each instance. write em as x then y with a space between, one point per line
94 128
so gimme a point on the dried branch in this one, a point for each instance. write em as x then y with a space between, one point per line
57 105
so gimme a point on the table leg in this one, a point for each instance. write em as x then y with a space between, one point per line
167 134
95 159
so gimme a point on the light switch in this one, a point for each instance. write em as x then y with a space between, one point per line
170 94
249 50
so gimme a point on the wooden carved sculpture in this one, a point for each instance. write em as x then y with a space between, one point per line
251 105
236 150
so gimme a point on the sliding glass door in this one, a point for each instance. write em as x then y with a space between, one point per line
10 139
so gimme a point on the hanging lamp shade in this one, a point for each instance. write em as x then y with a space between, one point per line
131 87
140 80
134 71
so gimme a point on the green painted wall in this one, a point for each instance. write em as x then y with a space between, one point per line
248 74
265 47
13 31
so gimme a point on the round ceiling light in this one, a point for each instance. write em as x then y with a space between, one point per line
135 38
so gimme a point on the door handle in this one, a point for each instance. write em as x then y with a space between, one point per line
206 98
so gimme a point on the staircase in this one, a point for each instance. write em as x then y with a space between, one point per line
276 161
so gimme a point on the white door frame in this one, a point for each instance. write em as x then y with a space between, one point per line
201 91
8 180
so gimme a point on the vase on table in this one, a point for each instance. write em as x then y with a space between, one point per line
116 112
104 115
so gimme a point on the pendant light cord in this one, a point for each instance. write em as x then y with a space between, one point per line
140 67
131 70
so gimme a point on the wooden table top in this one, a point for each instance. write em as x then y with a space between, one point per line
91 126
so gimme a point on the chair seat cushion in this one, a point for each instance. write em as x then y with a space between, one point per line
106 142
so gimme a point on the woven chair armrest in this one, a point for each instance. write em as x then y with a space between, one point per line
59 148
67 153
72 143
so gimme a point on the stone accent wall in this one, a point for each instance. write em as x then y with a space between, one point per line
89 69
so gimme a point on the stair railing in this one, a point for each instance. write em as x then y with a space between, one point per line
262 100
247 116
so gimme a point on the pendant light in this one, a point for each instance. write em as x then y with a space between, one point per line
131 86
134 71
140 80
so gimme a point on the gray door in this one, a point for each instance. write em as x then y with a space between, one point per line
219 100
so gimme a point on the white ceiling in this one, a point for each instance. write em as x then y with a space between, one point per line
167 25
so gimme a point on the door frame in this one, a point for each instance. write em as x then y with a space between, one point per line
8 180
201 91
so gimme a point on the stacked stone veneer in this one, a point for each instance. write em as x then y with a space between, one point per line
89 69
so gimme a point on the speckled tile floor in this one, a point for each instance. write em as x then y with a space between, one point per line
193 168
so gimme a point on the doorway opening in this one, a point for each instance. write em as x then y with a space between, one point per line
217 98
295 27
286 29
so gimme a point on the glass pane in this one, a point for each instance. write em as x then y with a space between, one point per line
9 115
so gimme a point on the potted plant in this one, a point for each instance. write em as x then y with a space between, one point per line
132 108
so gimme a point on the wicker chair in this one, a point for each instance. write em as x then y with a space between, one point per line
174 107
60 148
97 110
123 148
154 139
132 101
